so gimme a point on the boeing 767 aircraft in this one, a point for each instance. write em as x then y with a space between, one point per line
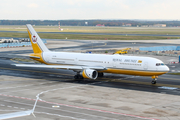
92 66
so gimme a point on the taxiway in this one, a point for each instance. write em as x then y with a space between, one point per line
117 97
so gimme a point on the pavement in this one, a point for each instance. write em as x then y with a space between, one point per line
118 97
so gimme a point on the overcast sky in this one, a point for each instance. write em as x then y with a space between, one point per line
89 9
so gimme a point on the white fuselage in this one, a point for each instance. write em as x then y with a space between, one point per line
92 66
122 62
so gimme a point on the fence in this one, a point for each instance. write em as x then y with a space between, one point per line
9 45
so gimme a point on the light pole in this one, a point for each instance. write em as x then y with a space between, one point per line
133 48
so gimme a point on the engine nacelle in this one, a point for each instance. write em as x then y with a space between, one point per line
90 74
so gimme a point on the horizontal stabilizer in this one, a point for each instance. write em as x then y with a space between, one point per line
34 57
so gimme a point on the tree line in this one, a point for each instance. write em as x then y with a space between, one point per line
89 22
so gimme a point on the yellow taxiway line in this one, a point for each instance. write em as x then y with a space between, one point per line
144 83
108 79
169 78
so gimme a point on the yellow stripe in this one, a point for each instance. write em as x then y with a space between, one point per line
84 75
133 72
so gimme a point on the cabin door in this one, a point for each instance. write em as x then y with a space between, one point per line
48 58
145 65
115 64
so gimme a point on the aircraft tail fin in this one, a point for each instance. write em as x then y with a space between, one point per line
36 42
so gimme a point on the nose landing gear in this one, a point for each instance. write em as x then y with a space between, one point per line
154 79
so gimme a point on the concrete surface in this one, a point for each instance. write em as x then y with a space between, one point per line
114 97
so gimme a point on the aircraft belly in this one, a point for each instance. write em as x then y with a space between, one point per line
134 72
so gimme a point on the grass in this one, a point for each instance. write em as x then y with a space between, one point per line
25 60
14 35
93 29
84 37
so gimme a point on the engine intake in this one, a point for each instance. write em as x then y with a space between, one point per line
90 74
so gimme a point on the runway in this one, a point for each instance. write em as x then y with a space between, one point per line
86 33
113 97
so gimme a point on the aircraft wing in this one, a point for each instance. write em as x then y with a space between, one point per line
62 67
15 114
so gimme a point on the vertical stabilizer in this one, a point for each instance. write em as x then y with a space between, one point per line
36 42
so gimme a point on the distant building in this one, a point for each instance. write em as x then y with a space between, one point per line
128 25
99 25
159 25
8 41
86 23
155 25
144 25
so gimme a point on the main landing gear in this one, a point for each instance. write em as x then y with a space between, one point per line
100 74
154 79
78 76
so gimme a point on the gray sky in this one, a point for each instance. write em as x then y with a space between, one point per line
89 9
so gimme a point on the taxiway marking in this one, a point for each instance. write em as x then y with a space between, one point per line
137 82
60 115
63 110
169 78
16 87
78 107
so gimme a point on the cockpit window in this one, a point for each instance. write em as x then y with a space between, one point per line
160 64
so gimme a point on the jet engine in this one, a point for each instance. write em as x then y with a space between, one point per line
90 74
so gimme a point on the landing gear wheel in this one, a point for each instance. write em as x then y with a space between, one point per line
154 79
100 74
153 82
75 77
78 77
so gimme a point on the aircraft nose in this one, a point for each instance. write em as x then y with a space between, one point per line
167 68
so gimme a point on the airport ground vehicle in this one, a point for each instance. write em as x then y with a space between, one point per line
123 51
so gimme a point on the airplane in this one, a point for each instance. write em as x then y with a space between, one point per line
92 66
